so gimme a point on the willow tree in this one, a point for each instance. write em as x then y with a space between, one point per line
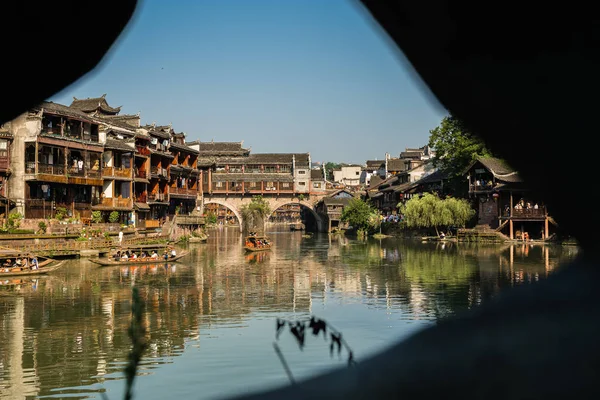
255 213
429 211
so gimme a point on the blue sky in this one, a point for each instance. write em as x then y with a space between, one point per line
282 75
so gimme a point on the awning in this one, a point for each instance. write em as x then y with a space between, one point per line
141 206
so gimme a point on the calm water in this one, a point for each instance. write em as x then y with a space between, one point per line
211 319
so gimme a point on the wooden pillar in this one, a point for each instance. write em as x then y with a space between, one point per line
511 229
546 233
262 187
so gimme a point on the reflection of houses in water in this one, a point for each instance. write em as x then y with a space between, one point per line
15 378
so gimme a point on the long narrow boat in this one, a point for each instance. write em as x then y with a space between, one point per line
257 243
45 267
107 262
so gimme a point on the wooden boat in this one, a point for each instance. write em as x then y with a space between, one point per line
257 243
107 262
48 266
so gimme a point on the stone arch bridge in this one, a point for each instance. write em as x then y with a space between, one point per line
235 203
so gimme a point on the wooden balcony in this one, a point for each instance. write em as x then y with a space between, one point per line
47 169
117 172
59 173
184 192
112 203
531 213
157 198
159 172
141 175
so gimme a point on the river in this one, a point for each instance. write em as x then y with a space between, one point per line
211 319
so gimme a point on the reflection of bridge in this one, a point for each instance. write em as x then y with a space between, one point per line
235 203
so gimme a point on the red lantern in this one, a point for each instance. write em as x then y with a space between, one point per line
495 196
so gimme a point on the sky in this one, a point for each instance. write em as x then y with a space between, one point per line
283 76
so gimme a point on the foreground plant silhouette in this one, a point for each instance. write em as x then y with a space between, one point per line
316 326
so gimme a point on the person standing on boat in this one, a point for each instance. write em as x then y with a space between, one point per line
34 263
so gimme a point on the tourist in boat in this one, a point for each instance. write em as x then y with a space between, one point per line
173 253
34 263
117 255
442 235
134 256
154 254
124 256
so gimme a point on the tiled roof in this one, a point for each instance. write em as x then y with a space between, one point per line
118 145
267 158
375 163
92 104
159 133
411 154
375 180
183 147
395 164
220 147
60 109
500 169
317 174
436 176
224 177
336 201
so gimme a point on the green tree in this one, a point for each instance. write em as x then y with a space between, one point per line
255 213
429 211
456 147
361 215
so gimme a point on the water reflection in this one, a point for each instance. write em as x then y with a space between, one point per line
212 316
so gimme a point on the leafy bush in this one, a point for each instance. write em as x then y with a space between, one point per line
97 217
114 217
211 218
61 213
43 227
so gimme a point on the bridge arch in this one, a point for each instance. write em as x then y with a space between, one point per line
305 204
229 206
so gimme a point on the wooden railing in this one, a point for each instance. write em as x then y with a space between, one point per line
50 169
120 172
188 191
529 213
110 202
157 197
159 171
